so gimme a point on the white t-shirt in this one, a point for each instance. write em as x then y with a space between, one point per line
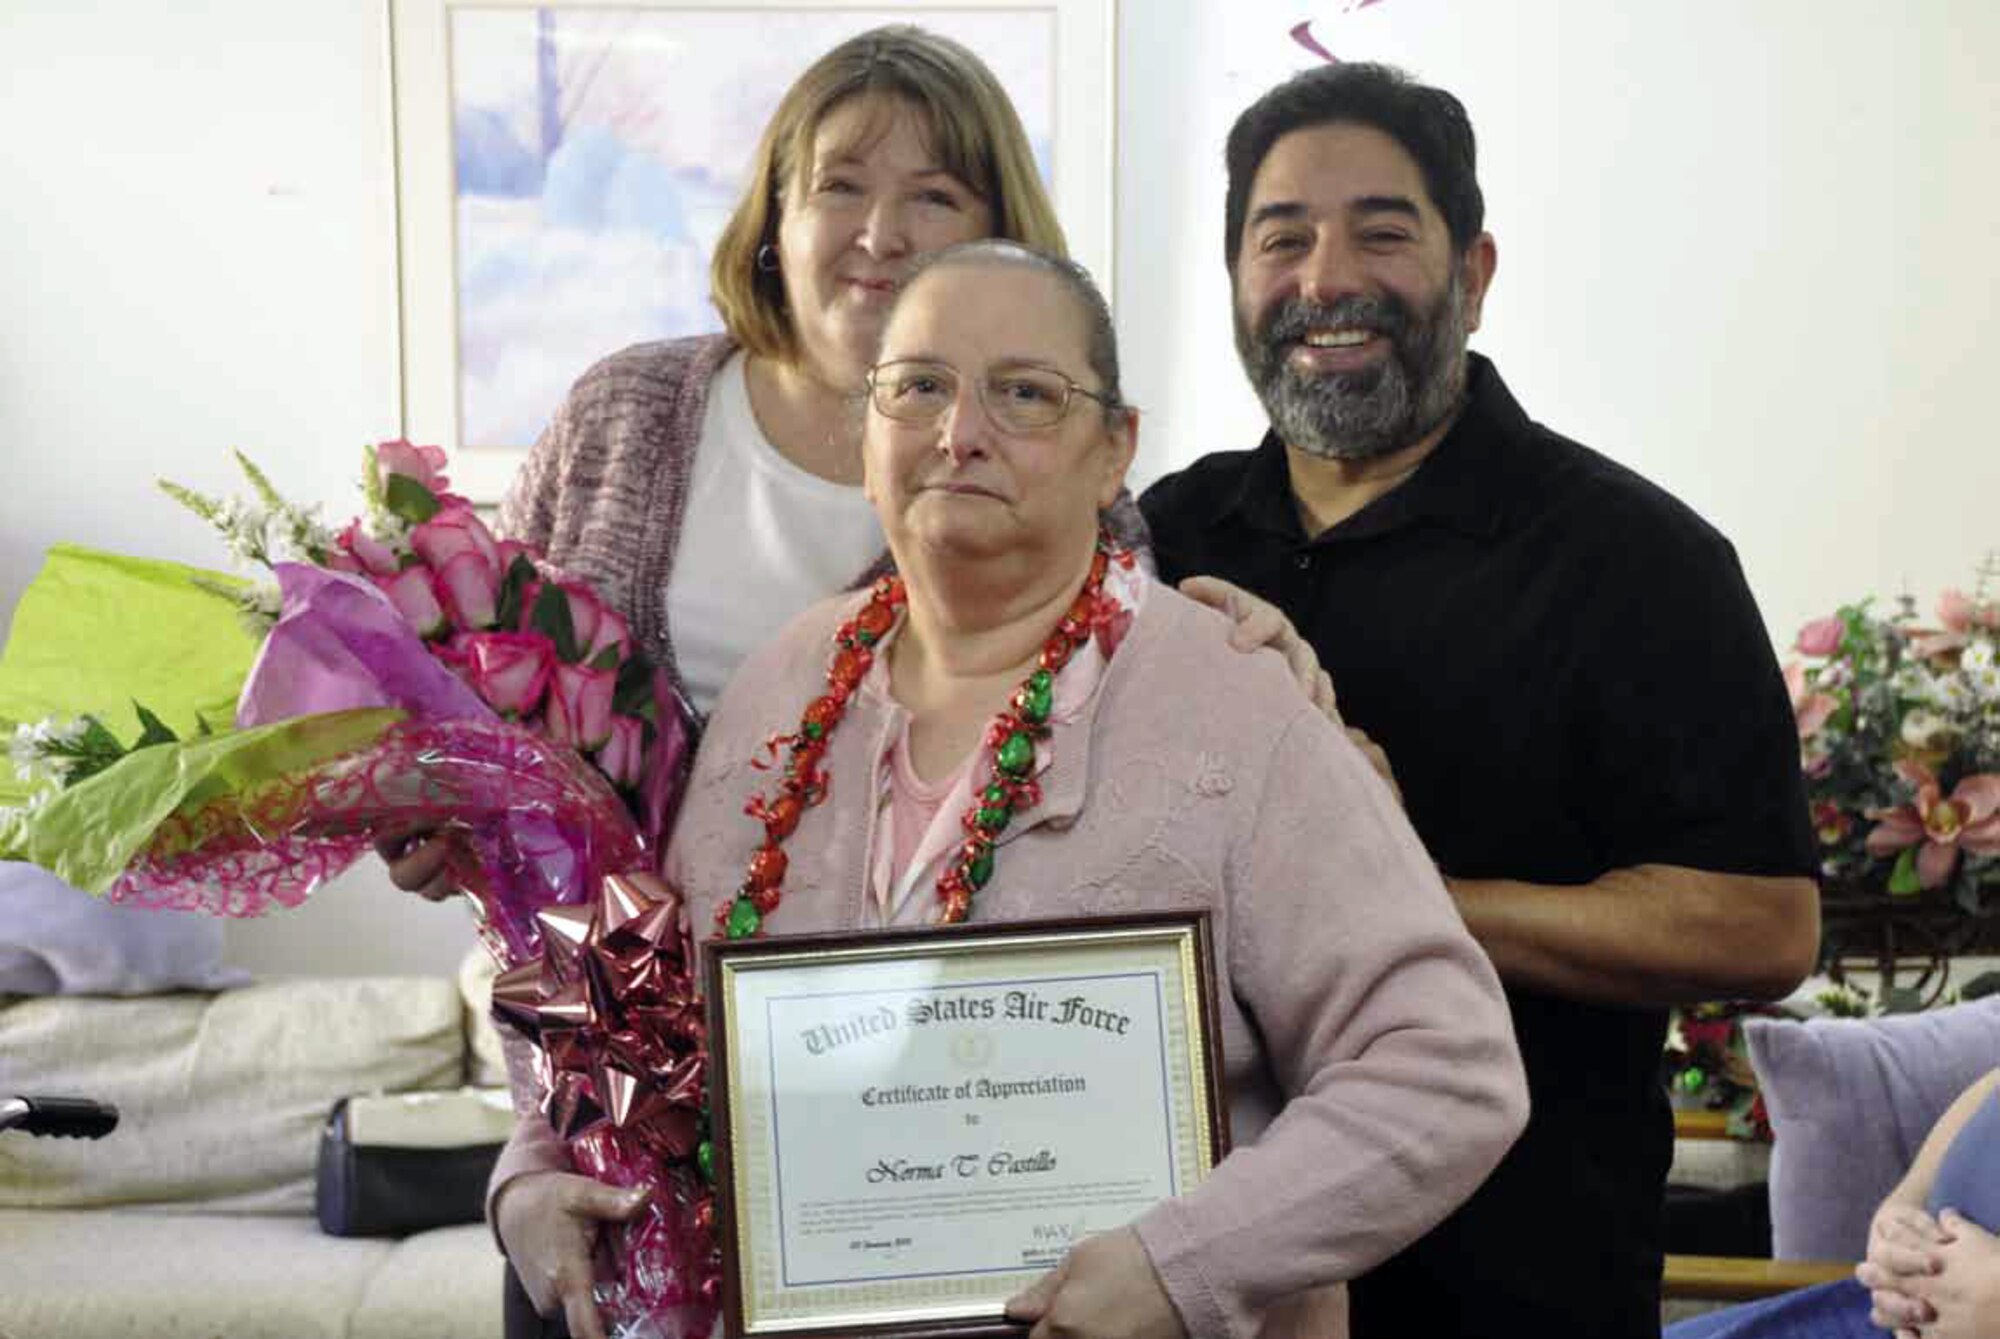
761 539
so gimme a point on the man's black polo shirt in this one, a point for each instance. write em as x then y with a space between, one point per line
1569 676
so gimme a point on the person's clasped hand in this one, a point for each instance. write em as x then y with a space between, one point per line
1904 1246
1963 1294
548 1224
1105 1288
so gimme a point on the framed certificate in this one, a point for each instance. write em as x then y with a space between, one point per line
912 1127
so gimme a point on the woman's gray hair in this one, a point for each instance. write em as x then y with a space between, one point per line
1100 338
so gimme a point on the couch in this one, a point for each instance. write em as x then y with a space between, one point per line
195 1217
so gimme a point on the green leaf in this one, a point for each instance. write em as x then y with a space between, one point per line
551 618
155 730
513 586
202 729
410 500
634 694
96 750
1903 880
605 659
199 503
266 492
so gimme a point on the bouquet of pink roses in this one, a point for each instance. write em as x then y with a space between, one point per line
415 672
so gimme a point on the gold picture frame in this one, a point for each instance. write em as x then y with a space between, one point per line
911 1127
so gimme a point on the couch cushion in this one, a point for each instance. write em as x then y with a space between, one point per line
221 1096
1851 1101
444 1283
126 1275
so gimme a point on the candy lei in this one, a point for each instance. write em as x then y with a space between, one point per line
1012 736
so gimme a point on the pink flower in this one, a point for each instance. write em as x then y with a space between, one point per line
1831 822
1960 616
373 556
584 614
410 591
1967 821
1821 637
623 754
469 587
579 713
451 532
1960 613
508 669
611 631
1811 709
420 464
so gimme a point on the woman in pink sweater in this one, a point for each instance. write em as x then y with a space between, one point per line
1369 1062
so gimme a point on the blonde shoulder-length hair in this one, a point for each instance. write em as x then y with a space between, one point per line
966 118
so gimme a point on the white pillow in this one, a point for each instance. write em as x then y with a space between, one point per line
58 940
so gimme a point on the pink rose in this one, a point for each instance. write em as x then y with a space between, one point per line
508 669
579 713
452 532
420 464
375 557
611 631
410 591
585 613
623 754
469 586
1821 637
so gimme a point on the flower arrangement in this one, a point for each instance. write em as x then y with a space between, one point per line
411 671
1707 1065
1899 737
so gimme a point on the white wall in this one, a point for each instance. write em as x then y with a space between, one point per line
197 253
1749 250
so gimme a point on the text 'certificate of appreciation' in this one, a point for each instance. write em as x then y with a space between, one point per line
917 1126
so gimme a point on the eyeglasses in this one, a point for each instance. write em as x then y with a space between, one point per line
1020 398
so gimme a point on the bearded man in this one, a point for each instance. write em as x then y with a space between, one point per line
1562 664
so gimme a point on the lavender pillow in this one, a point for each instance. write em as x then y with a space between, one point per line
1851 1101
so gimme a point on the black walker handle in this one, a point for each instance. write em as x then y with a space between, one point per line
62 1117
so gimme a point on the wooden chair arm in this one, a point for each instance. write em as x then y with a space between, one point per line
1729 1278
1689 1124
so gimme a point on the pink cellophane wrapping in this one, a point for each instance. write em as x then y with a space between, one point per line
541 829
541 826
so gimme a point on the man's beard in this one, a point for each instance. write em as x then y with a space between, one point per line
1373 412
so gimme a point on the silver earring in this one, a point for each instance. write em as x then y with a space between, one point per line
767 259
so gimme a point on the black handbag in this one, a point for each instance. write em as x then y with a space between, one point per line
393 1164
